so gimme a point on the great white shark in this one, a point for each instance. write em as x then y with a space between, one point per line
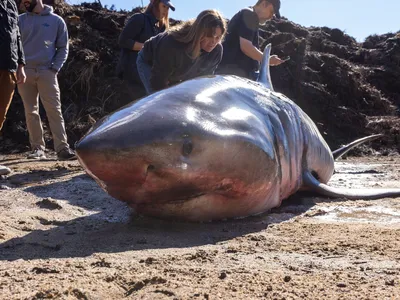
211 148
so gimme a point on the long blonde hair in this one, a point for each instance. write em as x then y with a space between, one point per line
192 31
153 8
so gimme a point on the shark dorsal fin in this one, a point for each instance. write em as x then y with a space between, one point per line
265 76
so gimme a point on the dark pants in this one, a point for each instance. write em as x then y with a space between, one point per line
7 86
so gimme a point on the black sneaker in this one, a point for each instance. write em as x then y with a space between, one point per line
66 154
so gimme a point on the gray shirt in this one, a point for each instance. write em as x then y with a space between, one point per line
44 39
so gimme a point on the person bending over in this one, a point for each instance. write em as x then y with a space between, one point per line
186 51
140 27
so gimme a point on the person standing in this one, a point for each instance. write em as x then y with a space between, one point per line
140 27
12 60
45 42
186 51
242 56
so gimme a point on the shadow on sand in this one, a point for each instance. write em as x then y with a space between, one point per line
109 226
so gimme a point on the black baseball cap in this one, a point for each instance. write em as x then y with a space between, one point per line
277 5
168 3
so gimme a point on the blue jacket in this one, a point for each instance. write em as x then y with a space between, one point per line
140 28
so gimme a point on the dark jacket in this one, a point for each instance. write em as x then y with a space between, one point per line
171 63
11 51
139 28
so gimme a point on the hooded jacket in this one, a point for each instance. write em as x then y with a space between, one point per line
11 51
44 38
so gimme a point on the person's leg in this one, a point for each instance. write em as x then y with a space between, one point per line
30 98
144 71
7 86
49 92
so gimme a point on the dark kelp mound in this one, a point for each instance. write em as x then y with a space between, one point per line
349 89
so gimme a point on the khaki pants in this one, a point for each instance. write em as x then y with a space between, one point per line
7 86
43 82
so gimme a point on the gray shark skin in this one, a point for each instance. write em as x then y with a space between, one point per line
212 148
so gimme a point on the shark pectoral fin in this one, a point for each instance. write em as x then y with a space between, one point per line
353 194
343 150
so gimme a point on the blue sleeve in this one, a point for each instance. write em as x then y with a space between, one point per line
61 44
127 38
164 63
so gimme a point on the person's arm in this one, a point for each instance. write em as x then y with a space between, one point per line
164 64
21 54
21 76
247 32
250 50
61 45
129 33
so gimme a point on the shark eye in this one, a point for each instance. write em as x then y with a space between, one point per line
187 148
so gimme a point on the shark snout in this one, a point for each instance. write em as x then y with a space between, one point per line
111 165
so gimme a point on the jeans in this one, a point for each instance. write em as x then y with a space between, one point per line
144 70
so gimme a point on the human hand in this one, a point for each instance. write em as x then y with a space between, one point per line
274 60
21 76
